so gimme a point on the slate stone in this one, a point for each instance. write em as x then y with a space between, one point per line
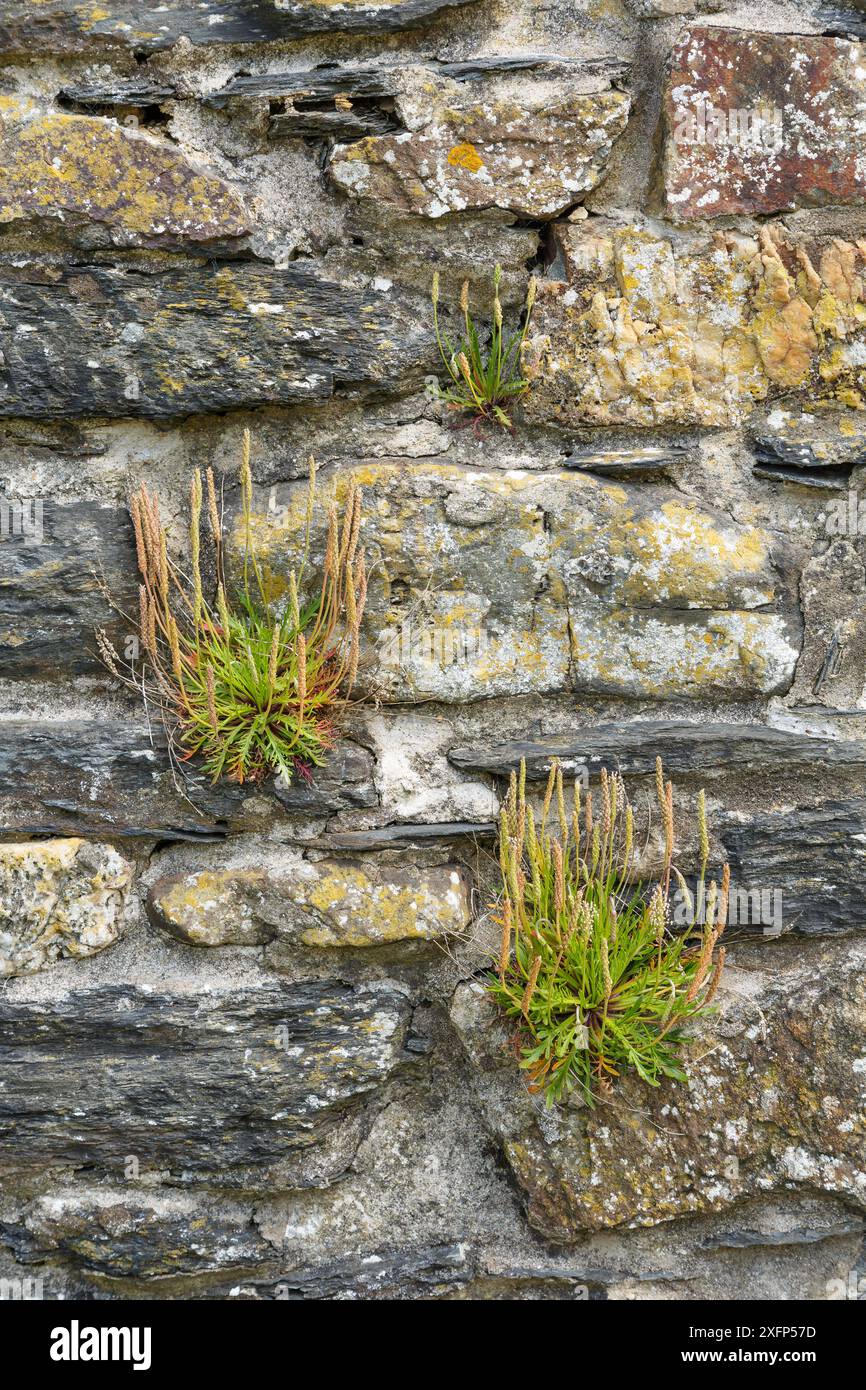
65 26
52 568
409 836
210 1085
842 20
378 80
133 1234
828 480
113 777
105 342
425 1272
812 858
632 748
306 123
794 452
126 92
345 782
634 465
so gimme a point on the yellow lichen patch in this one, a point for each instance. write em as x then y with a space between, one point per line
465 156
330 903
195 906
61 165
649 331
362 911
59 899
682 554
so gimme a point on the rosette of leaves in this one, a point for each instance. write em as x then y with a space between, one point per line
251 689
484 372
591 971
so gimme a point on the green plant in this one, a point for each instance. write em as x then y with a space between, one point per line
590 969
484 378
251 691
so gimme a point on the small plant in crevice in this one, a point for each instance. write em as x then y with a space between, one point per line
484 374
590 970
250 690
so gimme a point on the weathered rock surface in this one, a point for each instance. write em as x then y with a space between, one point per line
371 82
632 465
638 329
534 153
490 583
749 127
58 899
812 858
135 1234
406 836
632 748
83 169
115 777
106 342
671 541
811 442
832 670
51 586
226 1085
409 1273
774 1103
330 902
65 26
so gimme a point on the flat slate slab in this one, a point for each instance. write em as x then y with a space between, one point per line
683 747
113 777
104 342
209 1085
813 858
52 568
66 26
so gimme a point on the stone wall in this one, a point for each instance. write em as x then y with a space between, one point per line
245 1050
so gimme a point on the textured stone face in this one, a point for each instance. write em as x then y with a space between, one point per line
645 331
533 154
117 778
808 861
752 1119
50 596
238 1079
59 899
84 169
328 903
275 1078
140 1234
108 342
757 123
504 583
68 26
632 748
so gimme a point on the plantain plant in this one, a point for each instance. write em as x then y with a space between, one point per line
485 379
590 971
248 689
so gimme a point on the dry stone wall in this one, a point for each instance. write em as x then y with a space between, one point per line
245 1052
